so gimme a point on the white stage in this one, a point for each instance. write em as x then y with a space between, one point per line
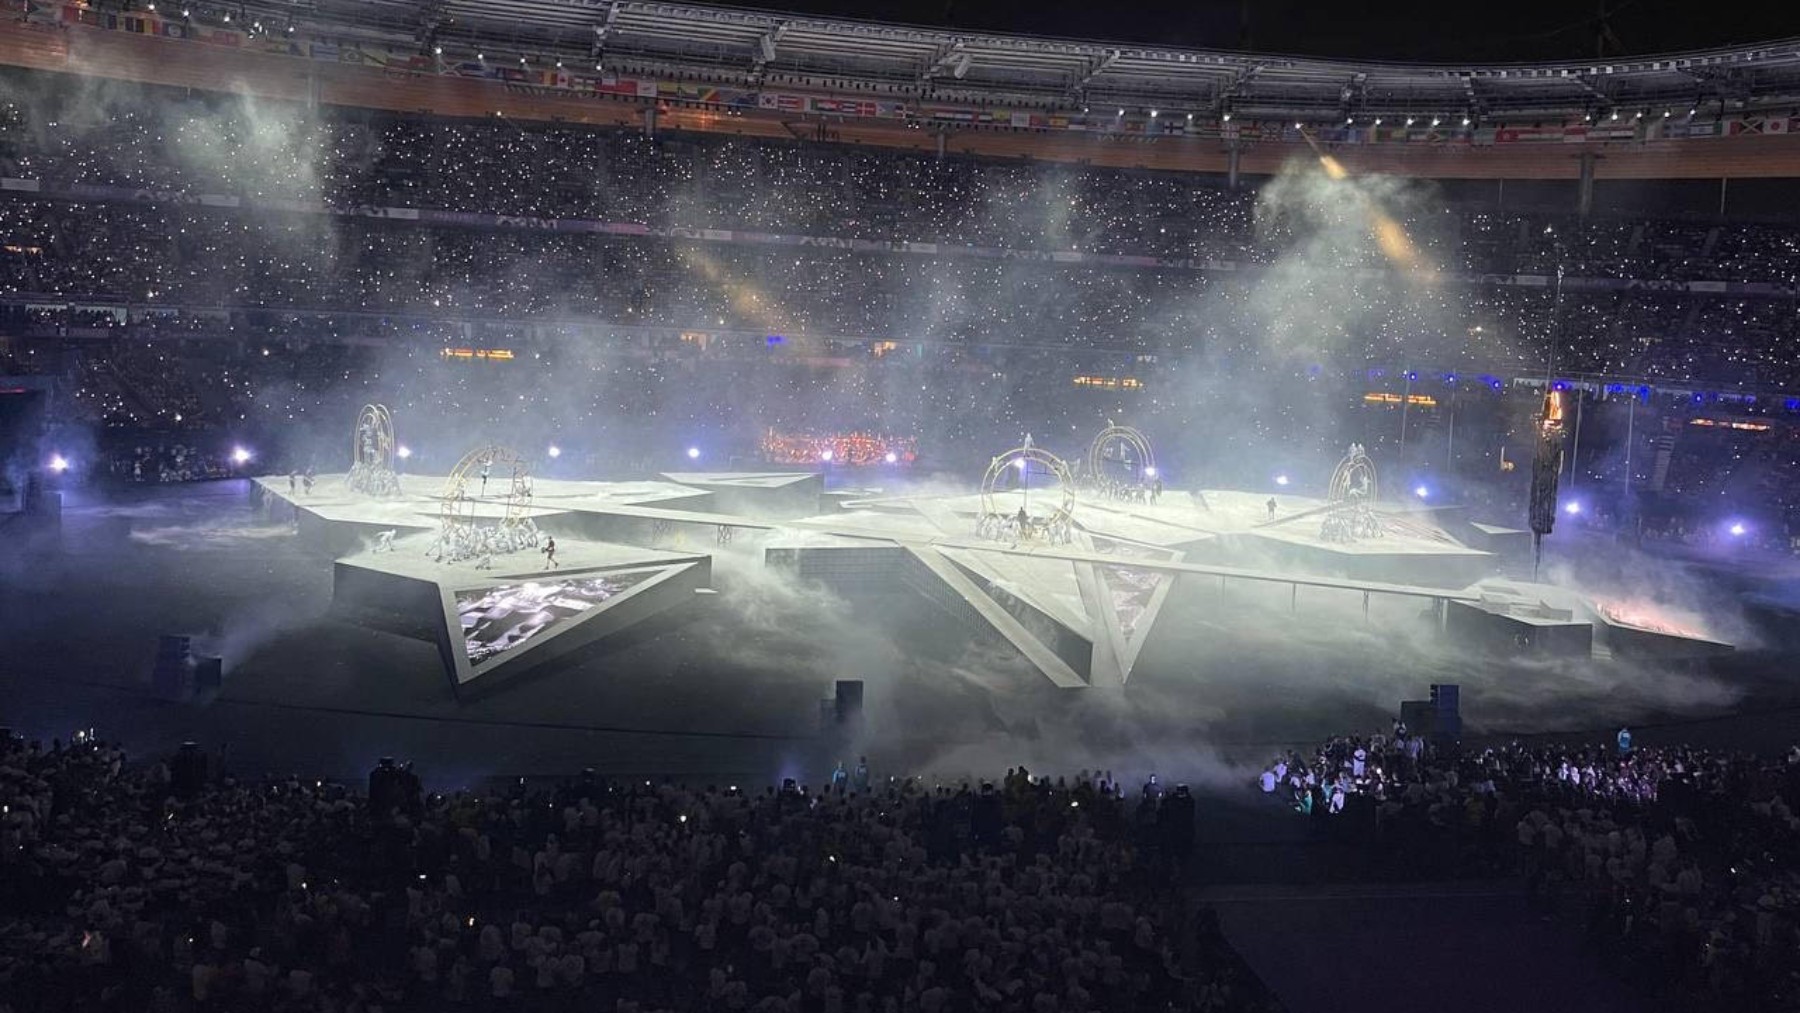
1080 611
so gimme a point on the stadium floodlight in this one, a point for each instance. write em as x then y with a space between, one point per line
1572 507
891 457
1378 121
403 452
1465 121
1738 529
1435 120
59 463
1281 480
1226 116
1409 121
555 451
693 453
1153 114
240 455
826 455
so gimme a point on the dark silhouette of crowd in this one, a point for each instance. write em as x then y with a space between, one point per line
1679 863
169 887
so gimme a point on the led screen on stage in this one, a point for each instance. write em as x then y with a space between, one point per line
496 620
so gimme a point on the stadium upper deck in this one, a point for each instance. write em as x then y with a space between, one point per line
1712 114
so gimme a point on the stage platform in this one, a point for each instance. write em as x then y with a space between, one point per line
1080 611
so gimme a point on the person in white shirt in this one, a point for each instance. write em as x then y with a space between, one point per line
1268 781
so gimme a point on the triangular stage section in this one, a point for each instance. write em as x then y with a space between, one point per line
1134 595
1025 627
502 628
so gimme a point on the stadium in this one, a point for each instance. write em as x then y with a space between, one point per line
550 504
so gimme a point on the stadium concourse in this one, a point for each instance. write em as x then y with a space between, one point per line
762 366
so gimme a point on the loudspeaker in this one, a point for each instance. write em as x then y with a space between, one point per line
173 674
849 710
1447 715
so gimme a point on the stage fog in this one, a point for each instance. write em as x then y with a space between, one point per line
1260 393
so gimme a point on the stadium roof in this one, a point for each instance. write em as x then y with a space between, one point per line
725 44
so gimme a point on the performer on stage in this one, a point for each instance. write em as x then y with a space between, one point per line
1271 508
484 476
550 554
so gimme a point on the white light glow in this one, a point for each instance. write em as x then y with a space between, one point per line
59 463
240 456
1572 507
403 453
555 451
693 453
891 457
1281 480
1421 491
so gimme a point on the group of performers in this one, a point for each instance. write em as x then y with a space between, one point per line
1350 524
1057 529
1128 492
458 542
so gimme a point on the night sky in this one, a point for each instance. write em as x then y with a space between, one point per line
1386 29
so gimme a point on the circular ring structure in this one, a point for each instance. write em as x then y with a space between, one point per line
1354 479
1022 463
372 452
489 474
1121 444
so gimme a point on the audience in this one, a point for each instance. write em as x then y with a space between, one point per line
1679 860
160 888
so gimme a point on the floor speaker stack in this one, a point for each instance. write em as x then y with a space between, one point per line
180 674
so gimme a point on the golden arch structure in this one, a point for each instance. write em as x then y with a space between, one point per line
372 453
1120 447
1351 496
485 507
1044 512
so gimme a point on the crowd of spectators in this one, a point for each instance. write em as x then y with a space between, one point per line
1679 861
188 260
159 888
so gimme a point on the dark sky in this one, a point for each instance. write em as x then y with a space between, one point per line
1373 29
